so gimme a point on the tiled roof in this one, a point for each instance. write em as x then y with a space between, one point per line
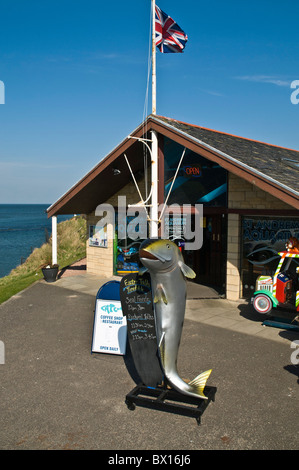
279 163
265 165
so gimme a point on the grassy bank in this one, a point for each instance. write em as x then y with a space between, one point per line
71 240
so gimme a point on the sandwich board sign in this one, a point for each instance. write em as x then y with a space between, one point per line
137 304
110 328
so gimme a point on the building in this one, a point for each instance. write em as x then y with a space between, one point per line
249 191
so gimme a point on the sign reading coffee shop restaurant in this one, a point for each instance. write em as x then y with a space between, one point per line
110 328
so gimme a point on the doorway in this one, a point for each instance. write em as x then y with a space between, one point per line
209 262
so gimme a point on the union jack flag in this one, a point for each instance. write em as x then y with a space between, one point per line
169 36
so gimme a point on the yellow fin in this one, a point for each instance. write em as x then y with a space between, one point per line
160 294
142 270
186 270
200 382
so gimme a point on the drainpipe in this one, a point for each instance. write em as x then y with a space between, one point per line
54 239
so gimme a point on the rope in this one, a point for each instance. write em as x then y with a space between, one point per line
177 170
135 182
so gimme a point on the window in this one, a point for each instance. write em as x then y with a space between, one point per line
199 181
262 239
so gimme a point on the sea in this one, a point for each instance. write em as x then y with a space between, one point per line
23 227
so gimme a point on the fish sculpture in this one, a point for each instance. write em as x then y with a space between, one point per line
165 263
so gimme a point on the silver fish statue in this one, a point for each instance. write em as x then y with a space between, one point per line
165 263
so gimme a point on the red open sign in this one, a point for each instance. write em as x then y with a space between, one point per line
193 170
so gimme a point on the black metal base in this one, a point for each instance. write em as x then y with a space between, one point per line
169 400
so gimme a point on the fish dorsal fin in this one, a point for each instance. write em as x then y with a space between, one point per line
160 294
188 272
199 382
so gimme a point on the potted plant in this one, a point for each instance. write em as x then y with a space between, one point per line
50 271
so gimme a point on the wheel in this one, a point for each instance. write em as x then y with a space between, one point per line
131 406
262 304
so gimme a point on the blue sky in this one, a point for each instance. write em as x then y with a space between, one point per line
75 76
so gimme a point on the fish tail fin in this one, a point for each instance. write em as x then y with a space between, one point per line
199 382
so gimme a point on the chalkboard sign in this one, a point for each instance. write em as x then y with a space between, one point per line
137 306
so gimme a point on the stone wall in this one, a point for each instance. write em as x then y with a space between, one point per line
243 195
100 260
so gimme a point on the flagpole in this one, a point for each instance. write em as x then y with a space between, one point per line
154 76
154 137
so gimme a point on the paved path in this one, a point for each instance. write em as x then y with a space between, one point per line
235 316
55 394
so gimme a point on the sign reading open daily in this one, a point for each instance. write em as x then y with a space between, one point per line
110 328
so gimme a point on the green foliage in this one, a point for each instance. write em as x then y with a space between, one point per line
71 241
